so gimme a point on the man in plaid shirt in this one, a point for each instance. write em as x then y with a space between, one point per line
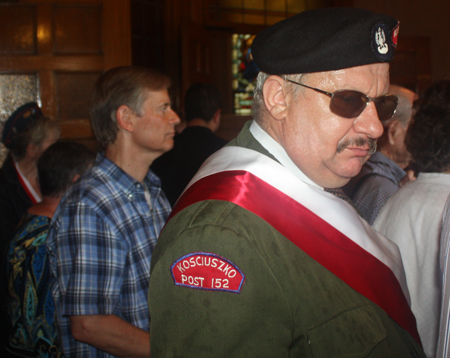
104 230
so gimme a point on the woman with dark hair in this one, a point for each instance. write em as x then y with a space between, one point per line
27 133
412 217
30 303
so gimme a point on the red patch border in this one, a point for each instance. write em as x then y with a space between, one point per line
207 288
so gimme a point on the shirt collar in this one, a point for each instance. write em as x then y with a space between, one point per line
274 148
123 179
390 166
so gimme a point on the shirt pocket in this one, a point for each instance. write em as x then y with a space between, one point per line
353 333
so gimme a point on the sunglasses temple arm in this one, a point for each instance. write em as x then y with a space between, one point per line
315 89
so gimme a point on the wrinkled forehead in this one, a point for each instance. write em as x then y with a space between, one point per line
369 79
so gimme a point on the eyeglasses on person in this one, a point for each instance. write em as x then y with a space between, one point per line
350 104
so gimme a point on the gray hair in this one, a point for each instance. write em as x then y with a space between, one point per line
404 108
36 133
259 110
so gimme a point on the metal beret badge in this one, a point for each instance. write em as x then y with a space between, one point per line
384 41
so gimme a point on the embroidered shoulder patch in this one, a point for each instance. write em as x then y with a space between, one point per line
207 271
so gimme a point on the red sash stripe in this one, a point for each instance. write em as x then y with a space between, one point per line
321 241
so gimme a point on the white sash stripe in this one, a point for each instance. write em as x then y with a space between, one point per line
330 208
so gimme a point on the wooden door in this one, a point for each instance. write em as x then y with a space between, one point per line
52 51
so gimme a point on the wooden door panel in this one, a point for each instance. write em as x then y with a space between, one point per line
67 44
77 29
411 66
18 29
196 55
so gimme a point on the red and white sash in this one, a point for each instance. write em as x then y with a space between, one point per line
322 225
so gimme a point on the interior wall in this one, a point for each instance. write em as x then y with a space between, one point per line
420 18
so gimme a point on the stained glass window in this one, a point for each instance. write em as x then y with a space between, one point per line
244 72
252 12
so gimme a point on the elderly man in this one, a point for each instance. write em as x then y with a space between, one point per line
103 233
384 172
257 260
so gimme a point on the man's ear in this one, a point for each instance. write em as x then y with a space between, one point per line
214 123
393 131
217 115
125 118
274 94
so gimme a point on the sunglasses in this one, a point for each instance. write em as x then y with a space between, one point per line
350 104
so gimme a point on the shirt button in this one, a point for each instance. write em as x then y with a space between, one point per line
130 196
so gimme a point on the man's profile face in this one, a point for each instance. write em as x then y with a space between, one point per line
155 129
330 149
399 152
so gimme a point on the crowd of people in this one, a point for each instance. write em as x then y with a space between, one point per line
321 230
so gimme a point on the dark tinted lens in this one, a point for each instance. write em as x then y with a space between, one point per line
386 107
348 104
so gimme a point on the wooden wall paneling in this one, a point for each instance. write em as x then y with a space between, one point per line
343 3
174 12
221 67
77 29
18 29
73 91
67 43
116 33
148 33
44 30
196 54
411 66
47 93
12 63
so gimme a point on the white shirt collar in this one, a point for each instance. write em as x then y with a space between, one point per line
274 148
33 193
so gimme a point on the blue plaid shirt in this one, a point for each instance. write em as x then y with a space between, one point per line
100 243
378 180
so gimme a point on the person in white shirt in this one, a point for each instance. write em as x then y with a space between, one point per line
412 217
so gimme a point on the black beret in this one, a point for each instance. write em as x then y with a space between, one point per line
325 40
19 121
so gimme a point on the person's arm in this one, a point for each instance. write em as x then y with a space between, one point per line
194 322
90 270
111 334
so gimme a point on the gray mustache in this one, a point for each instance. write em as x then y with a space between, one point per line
359 142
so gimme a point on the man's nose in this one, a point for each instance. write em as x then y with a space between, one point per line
368 122
174 117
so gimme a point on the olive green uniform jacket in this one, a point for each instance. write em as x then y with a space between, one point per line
288 306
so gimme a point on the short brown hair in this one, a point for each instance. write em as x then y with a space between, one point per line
127 85
59 164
